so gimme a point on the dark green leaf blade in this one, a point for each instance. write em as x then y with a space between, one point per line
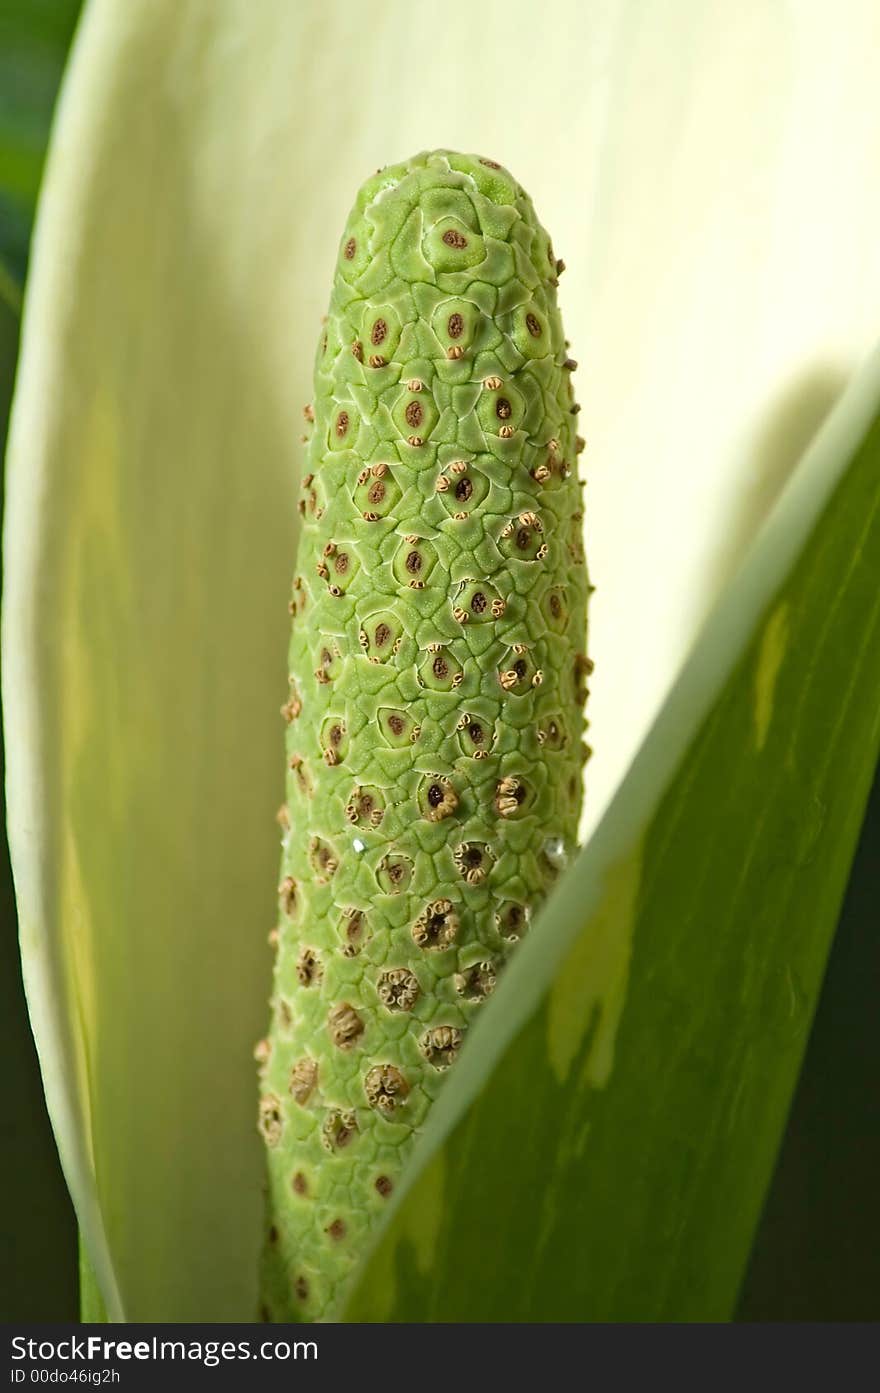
605 1148
34 38
816 1255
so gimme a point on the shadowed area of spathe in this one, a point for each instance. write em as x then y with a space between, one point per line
788 426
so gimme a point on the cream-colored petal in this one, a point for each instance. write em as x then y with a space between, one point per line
702 168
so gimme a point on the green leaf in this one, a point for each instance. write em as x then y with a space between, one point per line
604 1148
816 1255
34 38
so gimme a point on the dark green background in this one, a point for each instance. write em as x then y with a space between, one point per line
816 1255
37 1231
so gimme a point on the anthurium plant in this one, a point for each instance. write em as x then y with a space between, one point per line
608 1103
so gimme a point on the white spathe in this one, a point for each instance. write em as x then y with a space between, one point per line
706 172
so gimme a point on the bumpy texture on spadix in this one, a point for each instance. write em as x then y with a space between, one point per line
437 681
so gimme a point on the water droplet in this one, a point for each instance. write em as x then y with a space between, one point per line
555 853
359 845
